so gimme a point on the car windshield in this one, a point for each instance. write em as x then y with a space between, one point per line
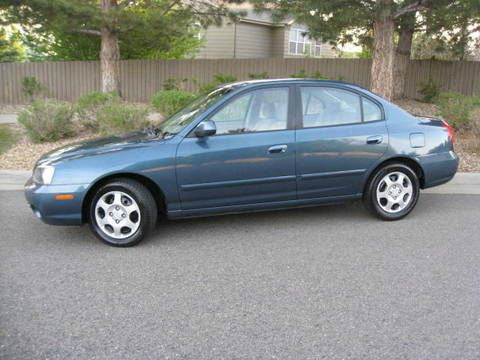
178 121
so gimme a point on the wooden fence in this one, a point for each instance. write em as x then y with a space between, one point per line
140 79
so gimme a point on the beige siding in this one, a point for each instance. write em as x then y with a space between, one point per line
218 42
327 51
279 35
253 41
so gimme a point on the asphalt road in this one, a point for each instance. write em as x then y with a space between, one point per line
320 283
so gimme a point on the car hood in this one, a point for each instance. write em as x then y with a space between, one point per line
98 146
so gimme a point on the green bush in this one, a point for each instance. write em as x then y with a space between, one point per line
455 108
300 74
169 102
117 117
224 78
429 90
174 84
7 137
32 88
88 105
48 120
219 79
262 75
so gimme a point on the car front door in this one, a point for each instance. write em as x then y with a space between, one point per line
250 159
342 134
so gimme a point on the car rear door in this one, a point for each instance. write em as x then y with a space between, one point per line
342 133
250 160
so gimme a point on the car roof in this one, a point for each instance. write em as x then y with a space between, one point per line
290 81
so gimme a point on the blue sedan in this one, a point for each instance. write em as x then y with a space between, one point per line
247 146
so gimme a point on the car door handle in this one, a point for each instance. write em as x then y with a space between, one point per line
376 139
277 149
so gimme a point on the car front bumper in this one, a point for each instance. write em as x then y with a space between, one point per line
54 211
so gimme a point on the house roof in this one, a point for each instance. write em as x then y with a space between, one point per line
259 17
263 17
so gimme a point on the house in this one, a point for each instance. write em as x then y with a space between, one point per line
256 35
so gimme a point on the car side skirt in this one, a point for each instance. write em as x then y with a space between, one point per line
267 206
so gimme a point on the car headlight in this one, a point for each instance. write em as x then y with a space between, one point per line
43 174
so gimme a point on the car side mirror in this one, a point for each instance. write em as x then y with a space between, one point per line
205 128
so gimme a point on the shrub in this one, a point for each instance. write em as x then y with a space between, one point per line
219 79
262 75
88 105
118 117
32 88
319 76
429 90
169 102
7 137
300 74
455 108
206 88
174 84
48 120
224 78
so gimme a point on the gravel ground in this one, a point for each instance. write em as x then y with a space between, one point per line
24 154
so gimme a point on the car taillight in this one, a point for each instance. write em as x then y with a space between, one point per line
451 133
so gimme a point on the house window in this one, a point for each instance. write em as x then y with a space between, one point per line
300 44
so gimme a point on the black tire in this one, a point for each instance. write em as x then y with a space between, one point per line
146 204
370 194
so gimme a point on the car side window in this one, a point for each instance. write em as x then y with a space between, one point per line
323 106
371 111
257 110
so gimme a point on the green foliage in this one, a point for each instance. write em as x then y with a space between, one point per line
262 75
174 84
11 48
153 29
169 102
88 105
118 117
300 74
48 120
7 137
32 88
219 79
318 75
455 108
366 53
429 90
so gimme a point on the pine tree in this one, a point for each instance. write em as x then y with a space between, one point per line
111 21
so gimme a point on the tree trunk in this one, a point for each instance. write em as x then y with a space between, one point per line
402 58
383 50
109 54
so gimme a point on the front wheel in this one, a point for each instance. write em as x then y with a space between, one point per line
122 213
392 192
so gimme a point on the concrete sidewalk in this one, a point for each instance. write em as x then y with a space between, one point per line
463 183
8 118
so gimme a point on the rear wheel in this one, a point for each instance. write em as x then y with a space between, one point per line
392 192
122 213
